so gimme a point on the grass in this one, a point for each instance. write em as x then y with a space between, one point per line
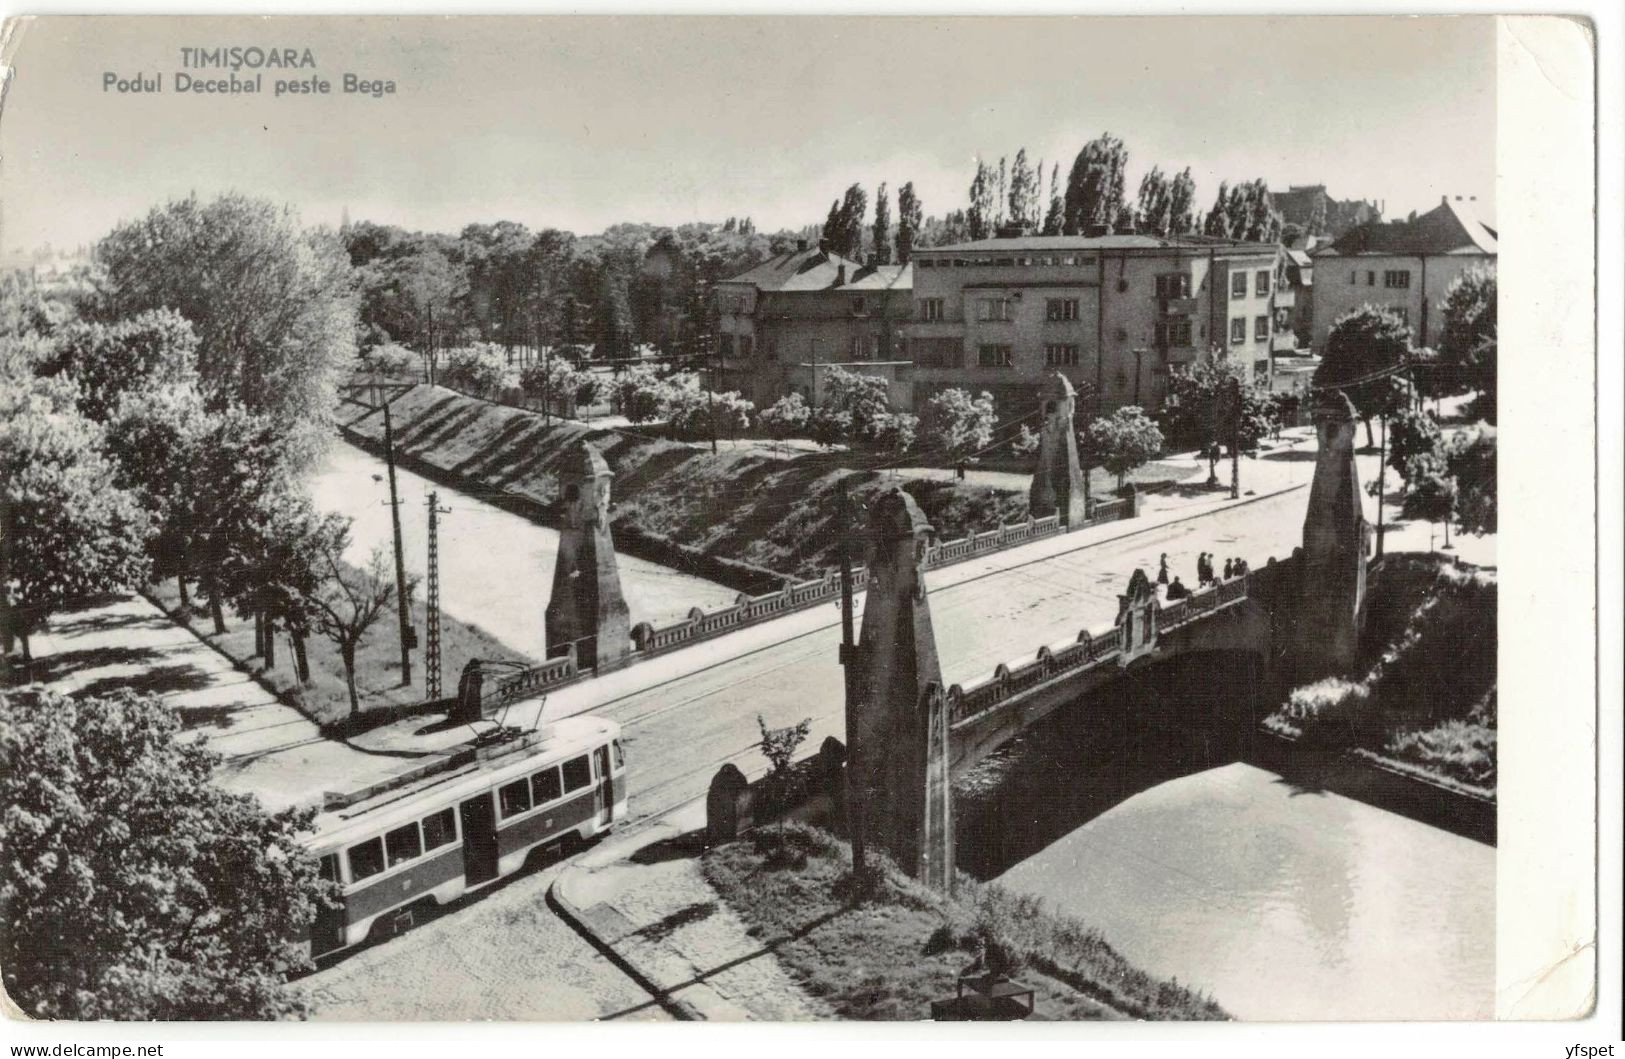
1423 698
778 512
904 945
325 699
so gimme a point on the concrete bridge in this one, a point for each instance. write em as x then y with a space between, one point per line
909 735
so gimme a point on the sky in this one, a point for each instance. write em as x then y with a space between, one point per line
579 123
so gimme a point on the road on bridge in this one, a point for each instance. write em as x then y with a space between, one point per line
680 732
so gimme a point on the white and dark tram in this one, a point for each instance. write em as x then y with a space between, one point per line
463 822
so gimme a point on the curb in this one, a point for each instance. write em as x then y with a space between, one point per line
568 911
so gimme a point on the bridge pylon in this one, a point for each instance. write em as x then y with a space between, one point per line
587 607
898 745
1330 604
1058 486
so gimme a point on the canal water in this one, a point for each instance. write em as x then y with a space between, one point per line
1282 903
496 569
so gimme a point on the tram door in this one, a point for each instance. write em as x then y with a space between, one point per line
604 799
327 932
479 822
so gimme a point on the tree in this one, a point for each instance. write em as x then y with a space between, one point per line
106 361
1468 337
1055 215
66 531
1094 189
1472 464
786 417
958 424
1154 205
779 745
979 218
1414 443
135 888
638 394
1217 223
882 230
1025 208
1364 343
908 222
480 370
863 397
1433 494
848 235
274 306
1201 408
1182 203
350 601
1121 442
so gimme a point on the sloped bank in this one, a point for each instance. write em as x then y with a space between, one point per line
747 520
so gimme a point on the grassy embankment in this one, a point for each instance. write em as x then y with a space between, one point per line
1424 696
904 945
748 505
325 699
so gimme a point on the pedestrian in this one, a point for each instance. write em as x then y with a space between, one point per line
1162 569
1229 569
1204 570
1177 590
1242 569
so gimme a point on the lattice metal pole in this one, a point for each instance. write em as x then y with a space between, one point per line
431 652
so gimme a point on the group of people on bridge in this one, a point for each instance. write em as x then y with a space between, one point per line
1205 574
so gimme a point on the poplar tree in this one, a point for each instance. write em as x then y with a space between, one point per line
1023 192
908 222
979 218
882 229
1094 190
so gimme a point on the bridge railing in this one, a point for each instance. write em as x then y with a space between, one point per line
1089 650
649 640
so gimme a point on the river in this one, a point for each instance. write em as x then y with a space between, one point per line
1282 903
496 569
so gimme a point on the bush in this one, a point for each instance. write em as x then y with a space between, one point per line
638 394
480 370
958 424
392 359
787 417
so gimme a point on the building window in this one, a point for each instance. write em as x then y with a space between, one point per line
925 262
1370 279
1261 328
855 348
727 345
1061 309
930 309
1402 312
1174 332
938 352
1238 284
746 345
993 309
1354 276
993 356
1261 282
1238 328
1174 285
1397 279
1057 355
1261 368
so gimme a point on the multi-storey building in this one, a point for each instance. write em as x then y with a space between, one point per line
783 323
1309 207
1404 265
1114 313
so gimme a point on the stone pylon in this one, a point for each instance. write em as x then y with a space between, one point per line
1058 486
1325 636
898 748
587 608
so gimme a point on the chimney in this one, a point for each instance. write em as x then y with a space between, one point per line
1444 200
840 275
1095 231
801 245
823 246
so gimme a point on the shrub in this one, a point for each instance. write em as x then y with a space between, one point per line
957 423
392 359
787 417
480 370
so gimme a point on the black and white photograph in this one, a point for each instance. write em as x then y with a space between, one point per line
741 518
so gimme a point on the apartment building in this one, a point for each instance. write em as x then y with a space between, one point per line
1114 313
1406 266
783 323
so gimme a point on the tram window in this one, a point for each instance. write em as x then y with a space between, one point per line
620 755
366 859
544 786
515 798
403 844
577 773
439 829
329 867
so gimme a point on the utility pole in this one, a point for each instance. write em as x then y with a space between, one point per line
854 692
430 352
431 653
1382 474
1235 438
404 604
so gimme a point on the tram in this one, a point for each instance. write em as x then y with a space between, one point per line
448 830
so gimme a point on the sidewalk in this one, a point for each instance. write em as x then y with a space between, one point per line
644 901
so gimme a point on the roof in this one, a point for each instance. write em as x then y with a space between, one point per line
1448 228
1121 241
821 270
